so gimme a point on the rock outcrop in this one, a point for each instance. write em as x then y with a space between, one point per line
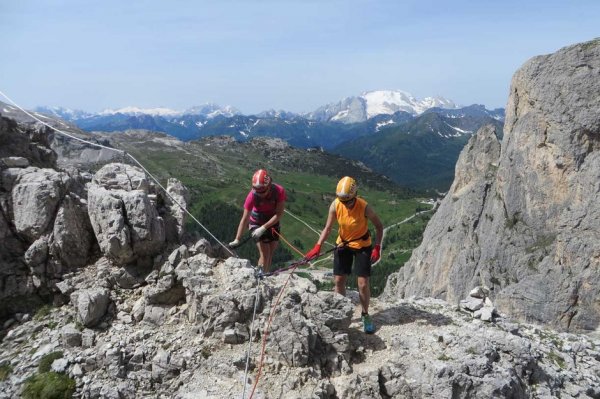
524 219
53 220
124 218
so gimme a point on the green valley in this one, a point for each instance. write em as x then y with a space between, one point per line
217 172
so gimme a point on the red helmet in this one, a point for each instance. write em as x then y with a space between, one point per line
261 181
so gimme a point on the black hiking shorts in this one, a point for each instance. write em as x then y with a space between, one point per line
344 257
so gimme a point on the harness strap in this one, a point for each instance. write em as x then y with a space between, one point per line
363 237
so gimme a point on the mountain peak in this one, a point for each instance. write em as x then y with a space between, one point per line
377 102
211 110
135 111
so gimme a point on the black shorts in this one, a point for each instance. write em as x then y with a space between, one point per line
343 257
269 235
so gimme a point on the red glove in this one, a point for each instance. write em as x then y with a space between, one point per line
313 253
376 253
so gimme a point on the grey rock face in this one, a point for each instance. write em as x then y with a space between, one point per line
26 142
125 220
35 197
175 221
527 224
43 217
72 236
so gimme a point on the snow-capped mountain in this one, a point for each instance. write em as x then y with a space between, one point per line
211 110
378 102
135 111
64 113
208 110
372 112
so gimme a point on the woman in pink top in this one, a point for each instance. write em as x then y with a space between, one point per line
263 209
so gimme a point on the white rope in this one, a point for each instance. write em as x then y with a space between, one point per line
123 153
307 225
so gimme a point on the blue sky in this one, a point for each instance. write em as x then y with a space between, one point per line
261 54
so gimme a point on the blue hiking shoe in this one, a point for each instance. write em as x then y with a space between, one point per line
368 325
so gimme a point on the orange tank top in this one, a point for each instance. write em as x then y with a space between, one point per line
353 224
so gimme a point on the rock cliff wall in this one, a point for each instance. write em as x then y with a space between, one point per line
524 219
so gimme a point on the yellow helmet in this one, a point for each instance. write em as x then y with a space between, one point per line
346 189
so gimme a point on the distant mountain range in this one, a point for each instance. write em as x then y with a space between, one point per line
326 127
414 142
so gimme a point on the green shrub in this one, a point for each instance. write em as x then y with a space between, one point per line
46 361
49 385
42 312
5 371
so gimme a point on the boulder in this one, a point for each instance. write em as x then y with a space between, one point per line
91 305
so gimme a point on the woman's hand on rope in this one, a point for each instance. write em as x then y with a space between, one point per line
313 253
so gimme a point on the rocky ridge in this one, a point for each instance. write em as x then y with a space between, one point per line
138 314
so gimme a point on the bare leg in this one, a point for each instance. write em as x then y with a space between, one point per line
340 284
266 251
271 250
364 293
262 249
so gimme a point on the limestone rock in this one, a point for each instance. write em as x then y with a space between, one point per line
125 221
91 305
525 220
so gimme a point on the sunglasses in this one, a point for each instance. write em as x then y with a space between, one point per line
261 190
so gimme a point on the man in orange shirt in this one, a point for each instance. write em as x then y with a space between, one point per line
353 243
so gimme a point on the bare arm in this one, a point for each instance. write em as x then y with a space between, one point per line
328 224
243 224
372 216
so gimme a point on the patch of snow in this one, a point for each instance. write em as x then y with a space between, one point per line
243 133
340 115
381 124
460 130
161 111
200 123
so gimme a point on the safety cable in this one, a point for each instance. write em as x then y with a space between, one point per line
306 224
123 153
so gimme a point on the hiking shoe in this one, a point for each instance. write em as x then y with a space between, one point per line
368 325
